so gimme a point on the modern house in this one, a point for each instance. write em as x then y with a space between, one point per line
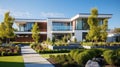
77 26
113 37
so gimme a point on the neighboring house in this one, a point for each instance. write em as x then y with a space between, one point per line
77 26
113 37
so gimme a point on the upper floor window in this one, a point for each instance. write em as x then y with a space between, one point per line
26 27
61 26
81 24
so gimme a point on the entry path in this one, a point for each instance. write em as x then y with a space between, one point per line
32 59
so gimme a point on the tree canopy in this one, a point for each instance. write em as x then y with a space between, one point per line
6 29
116 30
97 32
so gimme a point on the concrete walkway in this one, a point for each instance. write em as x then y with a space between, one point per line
32 59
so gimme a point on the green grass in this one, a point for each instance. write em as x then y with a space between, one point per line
11 61
47 55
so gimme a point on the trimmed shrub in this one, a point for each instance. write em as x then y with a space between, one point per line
72 53
9 53
84 56
109 57
3 53
75 54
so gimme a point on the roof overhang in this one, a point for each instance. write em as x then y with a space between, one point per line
84 15
59 19
24 21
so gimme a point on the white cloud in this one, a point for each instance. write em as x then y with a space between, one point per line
21 14
16 14
51 14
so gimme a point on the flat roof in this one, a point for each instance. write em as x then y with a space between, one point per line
79 15
86 15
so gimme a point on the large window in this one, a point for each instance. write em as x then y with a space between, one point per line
26 27
61 26
100 21
22 27
85 25
81 24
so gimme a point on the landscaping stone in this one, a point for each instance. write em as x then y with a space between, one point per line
91 63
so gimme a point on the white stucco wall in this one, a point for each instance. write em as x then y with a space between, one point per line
49 29
78 34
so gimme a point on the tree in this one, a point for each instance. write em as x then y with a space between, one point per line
2 30
116 30
97 32
35 33
7 32
104 28
93 34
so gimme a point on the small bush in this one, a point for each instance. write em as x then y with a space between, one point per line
3 53
83 57
72 53
9 53
109 57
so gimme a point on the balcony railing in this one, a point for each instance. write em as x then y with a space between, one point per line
41 30
62 28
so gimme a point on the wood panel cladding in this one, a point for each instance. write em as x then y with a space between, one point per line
43 26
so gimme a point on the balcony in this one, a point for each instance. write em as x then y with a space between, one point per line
62 28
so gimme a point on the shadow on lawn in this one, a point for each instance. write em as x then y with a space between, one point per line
20 64
11 64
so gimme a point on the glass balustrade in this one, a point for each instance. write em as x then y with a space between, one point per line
62 28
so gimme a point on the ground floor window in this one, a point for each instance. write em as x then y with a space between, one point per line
84 35
59 36
117 38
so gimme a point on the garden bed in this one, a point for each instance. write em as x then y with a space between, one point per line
9 50
79 58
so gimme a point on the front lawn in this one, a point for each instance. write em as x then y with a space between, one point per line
11 61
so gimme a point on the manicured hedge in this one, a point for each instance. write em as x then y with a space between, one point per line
64 60
112 57
79 57
53 51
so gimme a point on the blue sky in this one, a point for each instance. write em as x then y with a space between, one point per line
40 9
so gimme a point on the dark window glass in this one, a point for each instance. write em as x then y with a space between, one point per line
85 25
84 35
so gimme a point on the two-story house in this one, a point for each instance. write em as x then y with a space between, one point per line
77 26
